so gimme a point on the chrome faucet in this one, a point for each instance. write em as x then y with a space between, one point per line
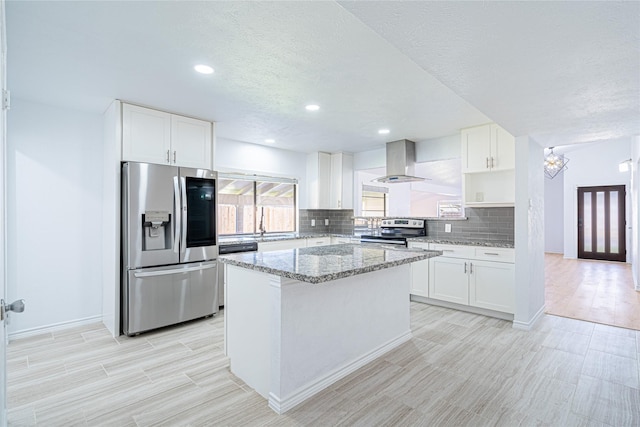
261 228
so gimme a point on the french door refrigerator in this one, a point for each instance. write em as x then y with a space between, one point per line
169 245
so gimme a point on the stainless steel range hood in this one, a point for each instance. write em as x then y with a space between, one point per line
401 160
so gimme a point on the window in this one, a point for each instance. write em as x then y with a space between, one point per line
245 200
374 201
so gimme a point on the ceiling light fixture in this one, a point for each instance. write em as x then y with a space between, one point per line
270 141
625 166
203 69
383 131
554 164
312 107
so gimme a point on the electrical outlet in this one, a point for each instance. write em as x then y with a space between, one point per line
313 222
447 228
326 221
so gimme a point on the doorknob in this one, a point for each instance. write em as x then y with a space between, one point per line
17 307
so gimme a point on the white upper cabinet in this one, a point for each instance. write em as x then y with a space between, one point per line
330 180
146 135
488 166
341 192
191 142
487 148
154 136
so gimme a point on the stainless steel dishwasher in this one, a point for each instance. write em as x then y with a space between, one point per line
231 248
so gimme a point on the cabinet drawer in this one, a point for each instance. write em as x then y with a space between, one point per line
418 245
454 251
495 254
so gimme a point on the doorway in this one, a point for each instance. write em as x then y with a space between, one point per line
601 223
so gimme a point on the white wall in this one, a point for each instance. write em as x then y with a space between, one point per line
592 165
235 156
529 233
554 214
54 214
635 209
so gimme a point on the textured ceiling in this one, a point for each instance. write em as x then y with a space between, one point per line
561 72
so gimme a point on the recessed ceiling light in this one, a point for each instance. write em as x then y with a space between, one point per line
312 107
383 131
270 141
204 69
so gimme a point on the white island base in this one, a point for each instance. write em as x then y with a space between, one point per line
289 340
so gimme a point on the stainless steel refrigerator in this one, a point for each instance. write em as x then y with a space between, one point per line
169 245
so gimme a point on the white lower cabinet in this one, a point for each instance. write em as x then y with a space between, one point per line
420 278
462 275
278 245
448 280
492 286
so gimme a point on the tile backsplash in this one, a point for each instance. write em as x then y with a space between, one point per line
484 224
340 221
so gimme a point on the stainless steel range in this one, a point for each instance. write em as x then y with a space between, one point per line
396 231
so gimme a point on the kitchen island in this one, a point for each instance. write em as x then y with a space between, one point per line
298 320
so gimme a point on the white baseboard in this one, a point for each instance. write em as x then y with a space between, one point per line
461 307
527 326
281 406
54 327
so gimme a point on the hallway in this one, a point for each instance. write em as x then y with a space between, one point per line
597 291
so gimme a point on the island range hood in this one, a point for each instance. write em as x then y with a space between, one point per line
401 160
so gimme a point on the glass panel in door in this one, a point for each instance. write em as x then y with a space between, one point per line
601 223
201 212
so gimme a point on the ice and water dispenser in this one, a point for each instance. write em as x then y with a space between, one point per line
157 230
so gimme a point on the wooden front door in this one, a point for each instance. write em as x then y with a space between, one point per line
601 223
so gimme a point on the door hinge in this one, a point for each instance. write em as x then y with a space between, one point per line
6 99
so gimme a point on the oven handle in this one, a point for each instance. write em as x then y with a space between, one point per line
391 242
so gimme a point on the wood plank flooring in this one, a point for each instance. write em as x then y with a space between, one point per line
597 291
459 369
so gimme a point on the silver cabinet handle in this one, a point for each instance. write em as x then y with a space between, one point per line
470 268
465 268
491 253
487 163
183 237
492 163
177 214
174 156
174 271
447 250
168 161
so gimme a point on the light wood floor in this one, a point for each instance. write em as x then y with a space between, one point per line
597 291
459 369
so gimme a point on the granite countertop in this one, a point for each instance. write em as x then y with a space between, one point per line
325 263
486 243
273 238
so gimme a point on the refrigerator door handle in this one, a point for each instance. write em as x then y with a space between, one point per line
174 271
183 236
177 214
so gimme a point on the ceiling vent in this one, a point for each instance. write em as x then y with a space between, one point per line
401 161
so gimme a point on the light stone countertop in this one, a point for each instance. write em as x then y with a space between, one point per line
485 243
325 263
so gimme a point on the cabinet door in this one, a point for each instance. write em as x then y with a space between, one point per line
146 135
420 278
191 142
448 279
476 149
341 181
492 285
503 149
279 245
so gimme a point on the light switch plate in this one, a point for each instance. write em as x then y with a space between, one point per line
447 228
313 222
326 221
